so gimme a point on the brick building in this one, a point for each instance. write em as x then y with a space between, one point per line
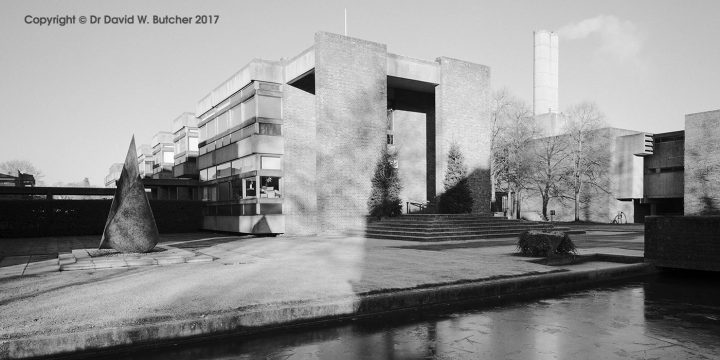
290 146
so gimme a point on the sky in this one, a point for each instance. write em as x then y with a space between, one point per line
73 96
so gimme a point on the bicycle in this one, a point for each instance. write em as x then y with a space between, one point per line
620 218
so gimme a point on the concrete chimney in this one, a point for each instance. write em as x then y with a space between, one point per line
545 73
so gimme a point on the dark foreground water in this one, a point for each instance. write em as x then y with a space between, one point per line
672 316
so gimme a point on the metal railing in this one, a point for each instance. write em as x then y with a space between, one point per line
421 206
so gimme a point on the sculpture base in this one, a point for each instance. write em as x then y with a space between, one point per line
96 259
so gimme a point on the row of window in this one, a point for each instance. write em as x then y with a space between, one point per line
241 209
239 166
187 143
247 188
256 106
164 157
257 128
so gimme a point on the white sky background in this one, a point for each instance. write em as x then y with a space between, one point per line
73 96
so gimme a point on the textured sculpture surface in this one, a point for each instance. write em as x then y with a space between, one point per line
130 226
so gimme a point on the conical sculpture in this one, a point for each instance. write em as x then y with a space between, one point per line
130 226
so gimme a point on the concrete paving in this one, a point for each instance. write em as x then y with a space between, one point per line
250 283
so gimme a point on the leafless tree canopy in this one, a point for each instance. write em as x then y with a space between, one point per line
566 167
11 167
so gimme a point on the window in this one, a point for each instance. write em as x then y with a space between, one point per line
224 191
168 157
204 175
270 187
211 173
249 109
243 165
270 129
269 107
236 167
250 187
203 133
211 129
270 162
236 189
248 209
271 209
223 170
193 144
222 122
236 115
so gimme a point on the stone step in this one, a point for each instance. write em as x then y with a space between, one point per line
441 238
444 238
435 227
455 227
433 223
452 231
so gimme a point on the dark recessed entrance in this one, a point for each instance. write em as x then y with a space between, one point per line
414 142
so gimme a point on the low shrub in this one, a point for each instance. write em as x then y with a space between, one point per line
542 243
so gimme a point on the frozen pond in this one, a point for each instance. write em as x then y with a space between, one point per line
672 316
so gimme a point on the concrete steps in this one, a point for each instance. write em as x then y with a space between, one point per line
433 227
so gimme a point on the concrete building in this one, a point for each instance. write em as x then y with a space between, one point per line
185 136
290 146
21 180
163 155
145 161
680 169
113 174
652 174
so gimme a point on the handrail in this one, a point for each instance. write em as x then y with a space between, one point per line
420 205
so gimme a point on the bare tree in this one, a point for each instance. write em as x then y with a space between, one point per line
11 167
588 152
500 103
550 168
513 131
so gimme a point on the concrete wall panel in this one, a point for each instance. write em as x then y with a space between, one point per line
702 163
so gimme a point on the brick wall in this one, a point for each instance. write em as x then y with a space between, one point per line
463 116
683 242
300 194
351 104
702 163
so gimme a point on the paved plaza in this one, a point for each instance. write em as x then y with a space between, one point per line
206 275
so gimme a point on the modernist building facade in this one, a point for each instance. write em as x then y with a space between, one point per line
163 155
672 173
185 137
290 146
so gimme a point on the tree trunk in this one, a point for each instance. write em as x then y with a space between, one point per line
577 206
545 201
